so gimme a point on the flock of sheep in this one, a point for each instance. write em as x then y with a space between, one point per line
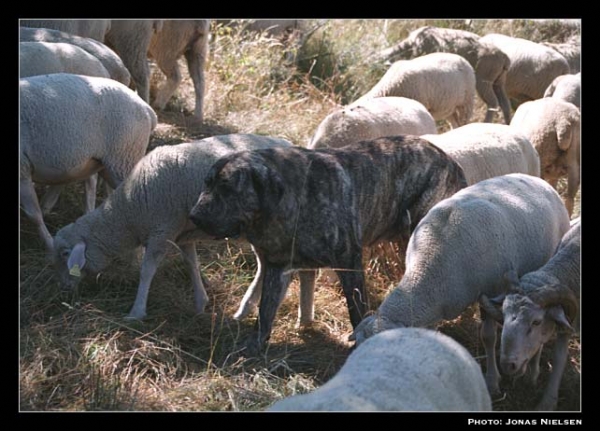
502 238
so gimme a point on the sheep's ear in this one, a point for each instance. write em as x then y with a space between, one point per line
511 281
76 260
564 134
492 307
557 314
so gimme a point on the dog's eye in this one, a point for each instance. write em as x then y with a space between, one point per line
65 253
536 323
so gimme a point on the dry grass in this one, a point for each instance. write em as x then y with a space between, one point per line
78 353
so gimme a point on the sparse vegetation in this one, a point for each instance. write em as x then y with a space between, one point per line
78 353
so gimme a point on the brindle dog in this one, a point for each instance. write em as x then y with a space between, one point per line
307 209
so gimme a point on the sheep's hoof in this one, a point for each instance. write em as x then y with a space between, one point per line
493 388
306 324
244 312
135 316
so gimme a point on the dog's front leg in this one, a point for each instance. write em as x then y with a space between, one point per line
275 284
352 279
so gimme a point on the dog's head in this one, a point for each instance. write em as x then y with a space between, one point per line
239 189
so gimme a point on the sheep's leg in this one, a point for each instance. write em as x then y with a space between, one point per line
306 311
559 361
140 71
163 94
572 186
500 90
274 287
535 366
252 296
196 59
153 255
486 93
352 279
31 206
111 178
488 338
50 198
91 184
188 252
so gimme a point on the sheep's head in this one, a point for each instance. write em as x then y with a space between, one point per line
529 321
370 326
75 256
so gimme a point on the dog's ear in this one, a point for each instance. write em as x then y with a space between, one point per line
214 170
269 187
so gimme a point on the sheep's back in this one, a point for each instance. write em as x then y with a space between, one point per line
373 118
440 81
532 65
405 369
66 119
165 184
486 150
41 58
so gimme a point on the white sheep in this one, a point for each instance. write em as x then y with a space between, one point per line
92 28
404 369
570 50
553 126
165 41
373 118
532 66
567 88
74 126
489 63
109 59
150 209
486 150
42 58
464 246
130 39
444 83
540 305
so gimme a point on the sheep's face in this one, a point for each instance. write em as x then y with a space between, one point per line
74 258
527 326
229 201
370 326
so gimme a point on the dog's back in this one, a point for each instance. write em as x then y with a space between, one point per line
389 182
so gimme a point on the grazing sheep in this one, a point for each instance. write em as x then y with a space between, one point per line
487 150
109 59
72 127
553 126
532 66
308 209
92 28
464 246
489 63
567 88
570 51
42 58
542 304
404 369
373 118
150 209
444 83
165 41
